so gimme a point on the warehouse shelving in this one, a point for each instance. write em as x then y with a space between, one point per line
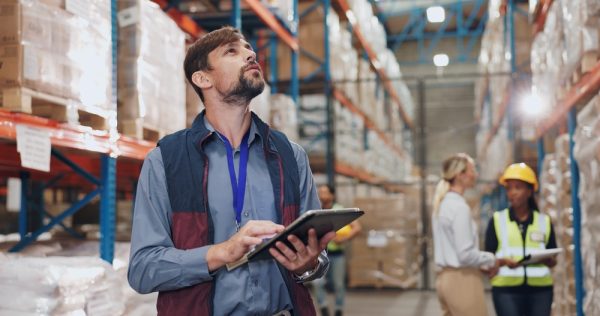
372 56
579 93
185 22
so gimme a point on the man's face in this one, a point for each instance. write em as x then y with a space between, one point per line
326 197
235 74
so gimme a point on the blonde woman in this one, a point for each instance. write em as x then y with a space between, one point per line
456 246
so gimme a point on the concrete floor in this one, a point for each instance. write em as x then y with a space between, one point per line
395 303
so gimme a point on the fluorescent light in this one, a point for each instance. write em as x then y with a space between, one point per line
436 14
533 105
441 60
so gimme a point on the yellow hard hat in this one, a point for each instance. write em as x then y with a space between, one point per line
519 171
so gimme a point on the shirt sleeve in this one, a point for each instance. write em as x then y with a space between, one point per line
491 239
309 199
155 264
467 251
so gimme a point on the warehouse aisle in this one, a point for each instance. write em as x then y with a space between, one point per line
396 303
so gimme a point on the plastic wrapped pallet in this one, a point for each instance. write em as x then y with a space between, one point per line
261 104
59 52
151 82
284 115
313 122
587 154
59 286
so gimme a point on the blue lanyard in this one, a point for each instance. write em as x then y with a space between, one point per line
238 186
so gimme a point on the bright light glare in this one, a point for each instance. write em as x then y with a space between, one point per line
436 14
441 60
533 105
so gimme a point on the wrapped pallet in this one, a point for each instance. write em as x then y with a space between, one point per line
56 59
587 154
59 286
284 115
152 95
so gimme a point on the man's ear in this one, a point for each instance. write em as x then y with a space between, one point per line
201 79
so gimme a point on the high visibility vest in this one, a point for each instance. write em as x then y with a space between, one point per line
510 245
332 245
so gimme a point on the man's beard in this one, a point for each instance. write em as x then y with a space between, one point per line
246 89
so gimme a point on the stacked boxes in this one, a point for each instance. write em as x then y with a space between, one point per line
587 153
284 116
387 251
56 50
556 201
151 80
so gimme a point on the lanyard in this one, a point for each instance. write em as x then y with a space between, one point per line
238 186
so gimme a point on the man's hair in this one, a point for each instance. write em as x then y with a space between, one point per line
196 58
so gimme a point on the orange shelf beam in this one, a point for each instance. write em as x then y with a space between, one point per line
186 23
541 12
580 93
271 21
368 123
374 61
349 171
76 137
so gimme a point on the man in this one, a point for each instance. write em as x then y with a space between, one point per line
210 193
335 249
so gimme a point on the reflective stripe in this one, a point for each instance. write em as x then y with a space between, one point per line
538 271
542 228
508 272
504 233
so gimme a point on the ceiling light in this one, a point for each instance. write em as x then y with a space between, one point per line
441 60
436 14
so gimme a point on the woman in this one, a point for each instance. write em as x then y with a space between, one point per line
513 232
456 243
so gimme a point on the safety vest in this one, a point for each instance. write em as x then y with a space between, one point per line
332 245
510 245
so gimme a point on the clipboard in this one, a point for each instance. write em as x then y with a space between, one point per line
323 221
539 256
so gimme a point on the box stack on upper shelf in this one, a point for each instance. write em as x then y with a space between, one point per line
566 49
494 150
151 81
555 200
587 154
56 60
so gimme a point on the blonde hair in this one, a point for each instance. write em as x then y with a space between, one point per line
453 166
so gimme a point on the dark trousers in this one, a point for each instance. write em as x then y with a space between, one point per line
536 303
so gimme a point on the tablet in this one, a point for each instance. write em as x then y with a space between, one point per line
323 221
539 255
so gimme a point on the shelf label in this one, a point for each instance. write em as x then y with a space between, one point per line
34 146
128 16
377 239
13 198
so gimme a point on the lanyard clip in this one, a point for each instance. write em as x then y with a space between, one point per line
237 226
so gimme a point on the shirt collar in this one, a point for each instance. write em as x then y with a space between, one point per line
513 217
253 130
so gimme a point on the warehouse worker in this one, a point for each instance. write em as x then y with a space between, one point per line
208 194
511 233
335 251
455 241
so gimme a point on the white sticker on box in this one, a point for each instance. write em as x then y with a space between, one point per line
13 198
31 64
34 146
377 240
128 16
79 8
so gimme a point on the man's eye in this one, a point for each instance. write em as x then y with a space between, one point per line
231 50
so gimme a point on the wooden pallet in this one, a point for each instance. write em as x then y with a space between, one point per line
19 99
139 129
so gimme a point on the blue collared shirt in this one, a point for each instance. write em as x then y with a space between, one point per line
155 265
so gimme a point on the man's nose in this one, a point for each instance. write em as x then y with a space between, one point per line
251 56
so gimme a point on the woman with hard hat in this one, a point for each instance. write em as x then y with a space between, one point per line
518 230
455 241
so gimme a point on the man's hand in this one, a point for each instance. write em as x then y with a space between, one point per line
303 257
508 262
240 243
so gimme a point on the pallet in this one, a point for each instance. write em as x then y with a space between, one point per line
139 129
19 99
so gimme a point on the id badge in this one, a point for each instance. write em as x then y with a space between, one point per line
537 237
